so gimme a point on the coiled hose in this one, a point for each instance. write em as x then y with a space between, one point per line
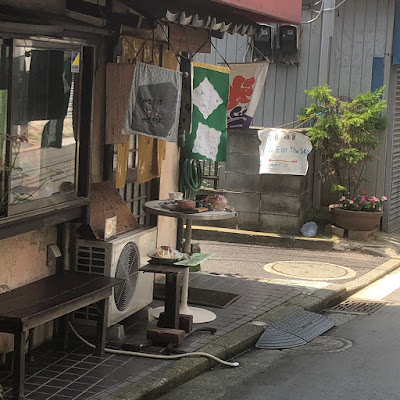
158 356
191 176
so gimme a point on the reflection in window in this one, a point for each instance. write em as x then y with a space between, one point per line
43 138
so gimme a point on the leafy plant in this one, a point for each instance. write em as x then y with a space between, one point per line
345 134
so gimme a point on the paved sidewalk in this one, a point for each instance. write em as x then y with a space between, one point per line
78 374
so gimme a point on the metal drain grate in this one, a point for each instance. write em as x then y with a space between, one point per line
358 306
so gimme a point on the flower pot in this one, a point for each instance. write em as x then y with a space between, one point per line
356 220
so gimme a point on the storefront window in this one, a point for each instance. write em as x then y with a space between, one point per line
44 121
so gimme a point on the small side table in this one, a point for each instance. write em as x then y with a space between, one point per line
173 282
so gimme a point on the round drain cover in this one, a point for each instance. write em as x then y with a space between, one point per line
327 344
311 270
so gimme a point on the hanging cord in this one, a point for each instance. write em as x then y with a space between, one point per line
223 59
191 176
157 356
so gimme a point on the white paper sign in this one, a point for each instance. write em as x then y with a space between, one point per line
283 152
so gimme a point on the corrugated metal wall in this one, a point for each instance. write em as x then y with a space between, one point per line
363 29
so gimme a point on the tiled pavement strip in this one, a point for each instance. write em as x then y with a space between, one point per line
78 374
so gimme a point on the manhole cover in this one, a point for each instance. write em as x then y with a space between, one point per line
326 344
294 330
358 306
310 270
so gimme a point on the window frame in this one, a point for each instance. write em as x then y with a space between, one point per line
59 208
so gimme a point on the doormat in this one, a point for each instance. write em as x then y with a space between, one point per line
202 297
294 330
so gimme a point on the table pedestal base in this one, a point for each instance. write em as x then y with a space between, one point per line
200 315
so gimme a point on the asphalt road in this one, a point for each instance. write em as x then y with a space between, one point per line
357 360
249 260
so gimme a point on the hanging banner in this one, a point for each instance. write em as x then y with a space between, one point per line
208 134
283 152
3 127
154 103
246 85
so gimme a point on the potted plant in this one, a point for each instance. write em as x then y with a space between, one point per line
344 132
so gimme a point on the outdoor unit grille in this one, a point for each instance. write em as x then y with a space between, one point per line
120 258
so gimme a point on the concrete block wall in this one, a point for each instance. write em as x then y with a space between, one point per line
267 203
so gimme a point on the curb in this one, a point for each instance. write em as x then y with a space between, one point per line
244 337
261 238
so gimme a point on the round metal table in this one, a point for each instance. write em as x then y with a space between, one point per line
200 315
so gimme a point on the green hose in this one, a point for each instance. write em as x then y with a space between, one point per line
191 176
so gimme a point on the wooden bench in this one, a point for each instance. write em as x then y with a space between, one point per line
55 296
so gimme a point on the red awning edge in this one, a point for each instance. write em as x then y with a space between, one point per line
269 10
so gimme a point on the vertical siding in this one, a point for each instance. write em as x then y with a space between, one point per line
363 29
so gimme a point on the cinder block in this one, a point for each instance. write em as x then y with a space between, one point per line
244 202
241 182
280 204
244 220
242 163
282 184
244 143
279 223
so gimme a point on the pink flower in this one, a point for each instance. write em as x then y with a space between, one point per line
375 199
363 199
384 198
357 206
351 201
343 198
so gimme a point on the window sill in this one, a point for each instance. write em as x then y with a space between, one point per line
46 216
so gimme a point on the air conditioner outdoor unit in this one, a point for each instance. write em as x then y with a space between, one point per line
121 258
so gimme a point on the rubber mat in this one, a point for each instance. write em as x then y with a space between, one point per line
294 330
202 297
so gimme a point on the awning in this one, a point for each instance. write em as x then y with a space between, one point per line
267 10
233 16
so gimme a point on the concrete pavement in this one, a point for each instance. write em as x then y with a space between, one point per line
244 332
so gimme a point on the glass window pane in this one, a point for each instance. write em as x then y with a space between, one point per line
43 131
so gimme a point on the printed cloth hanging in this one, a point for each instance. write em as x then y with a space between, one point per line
246 85
210 92
154 103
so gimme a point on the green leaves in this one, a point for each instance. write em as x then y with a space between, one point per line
344 133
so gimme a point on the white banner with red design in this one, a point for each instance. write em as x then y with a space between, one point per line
283 151
246 83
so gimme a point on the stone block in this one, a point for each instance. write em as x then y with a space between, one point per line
280 204
242 163
166 335
244 201
279 223
282 184
361 236
240 182
339 232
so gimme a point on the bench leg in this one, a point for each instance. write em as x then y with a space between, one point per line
19 365
102 326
